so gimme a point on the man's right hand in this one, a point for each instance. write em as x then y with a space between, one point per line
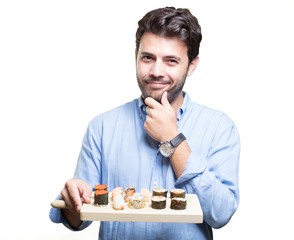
75 193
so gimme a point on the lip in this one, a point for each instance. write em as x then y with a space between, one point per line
157 84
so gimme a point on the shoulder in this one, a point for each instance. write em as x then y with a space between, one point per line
209 115
113 114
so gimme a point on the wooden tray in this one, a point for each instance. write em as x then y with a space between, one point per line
192 214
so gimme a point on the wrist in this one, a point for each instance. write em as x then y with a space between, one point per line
170 136
167 148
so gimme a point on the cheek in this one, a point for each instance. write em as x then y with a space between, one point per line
142 70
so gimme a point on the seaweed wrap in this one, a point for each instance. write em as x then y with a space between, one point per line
159 192
177 193
178 203
101 197
158 202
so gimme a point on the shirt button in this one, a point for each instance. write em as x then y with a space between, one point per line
155 183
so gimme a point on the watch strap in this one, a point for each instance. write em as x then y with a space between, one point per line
177 140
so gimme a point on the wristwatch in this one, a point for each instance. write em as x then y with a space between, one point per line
167 148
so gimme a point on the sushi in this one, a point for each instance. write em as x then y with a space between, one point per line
101 197
101 187
178 203
116 191
118 202
159 192
129 192
177 193
118 199
158 202
137 201
147 194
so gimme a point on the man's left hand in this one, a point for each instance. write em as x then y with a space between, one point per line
161 119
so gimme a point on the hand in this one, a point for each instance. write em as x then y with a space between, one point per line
75 193
161 119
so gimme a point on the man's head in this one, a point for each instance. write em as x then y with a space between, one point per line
167 47
171 22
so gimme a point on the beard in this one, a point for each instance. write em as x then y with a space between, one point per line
156 94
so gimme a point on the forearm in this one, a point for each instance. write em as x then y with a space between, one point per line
179 158
72 218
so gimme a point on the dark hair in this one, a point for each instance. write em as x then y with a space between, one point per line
172 22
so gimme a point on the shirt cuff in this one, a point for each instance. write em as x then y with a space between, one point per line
195 165
56 216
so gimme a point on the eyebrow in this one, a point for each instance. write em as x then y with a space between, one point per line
168 56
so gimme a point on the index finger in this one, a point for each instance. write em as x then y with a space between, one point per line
152 103
74 197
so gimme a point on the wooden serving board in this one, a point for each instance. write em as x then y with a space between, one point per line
192 214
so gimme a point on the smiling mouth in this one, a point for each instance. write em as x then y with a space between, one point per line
157 83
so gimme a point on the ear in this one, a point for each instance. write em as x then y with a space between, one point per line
192 66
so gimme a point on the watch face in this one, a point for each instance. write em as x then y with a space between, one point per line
166 149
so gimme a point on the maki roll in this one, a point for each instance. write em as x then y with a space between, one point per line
101 187
159 192
178 203
177 193
101 197
129 192
158 202
137 201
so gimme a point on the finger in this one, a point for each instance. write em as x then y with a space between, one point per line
74 197
150 102
85 193
65 197
164 100
148 110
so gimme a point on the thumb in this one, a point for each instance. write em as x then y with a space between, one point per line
164 100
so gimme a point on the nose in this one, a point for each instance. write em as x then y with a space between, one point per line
157 69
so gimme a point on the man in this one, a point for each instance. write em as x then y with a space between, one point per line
127 145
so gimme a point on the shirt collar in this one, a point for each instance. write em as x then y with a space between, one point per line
180 113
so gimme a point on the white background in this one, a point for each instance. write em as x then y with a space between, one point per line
64 62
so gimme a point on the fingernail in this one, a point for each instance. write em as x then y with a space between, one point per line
78 208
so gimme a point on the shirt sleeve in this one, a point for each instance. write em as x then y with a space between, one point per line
88 169
214 178
56 216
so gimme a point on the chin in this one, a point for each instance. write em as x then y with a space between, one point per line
155 96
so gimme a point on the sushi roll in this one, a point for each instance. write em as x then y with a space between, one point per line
129 192
158 202
177 193
101 187
118 202
178 203
159 192
101 197
137 201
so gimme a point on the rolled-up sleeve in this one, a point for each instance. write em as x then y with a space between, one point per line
214 178
56 216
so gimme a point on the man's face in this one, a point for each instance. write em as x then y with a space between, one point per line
162 65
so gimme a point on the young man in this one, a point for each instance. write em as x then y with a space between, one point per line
130 145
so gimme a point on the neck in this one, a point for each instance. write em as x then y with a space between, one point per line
177 103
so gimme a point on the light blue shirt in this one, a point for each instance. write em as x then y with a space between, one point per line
117 151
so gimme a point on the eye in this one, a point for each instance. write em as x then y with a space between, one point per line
147 58
172 61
